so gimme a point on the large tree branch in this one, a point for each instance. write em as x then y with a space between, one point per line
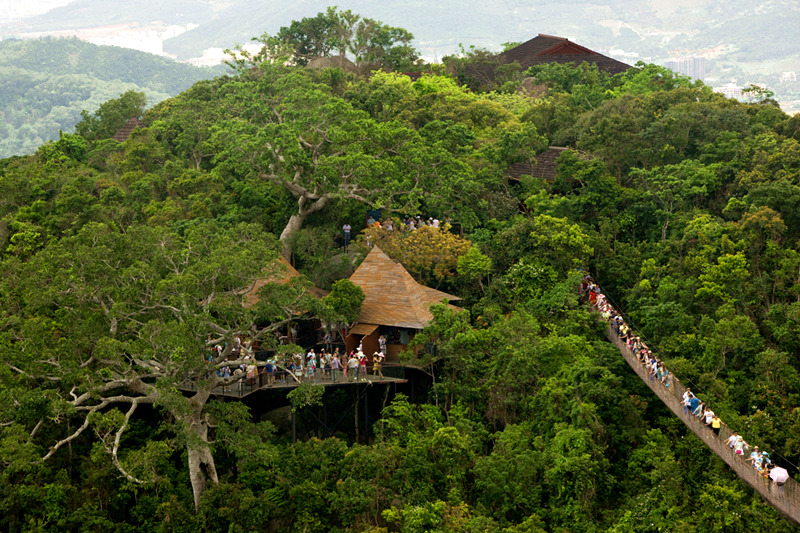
107 312
353 192
67 440
111 385
293 185
89 410
322 201
118 436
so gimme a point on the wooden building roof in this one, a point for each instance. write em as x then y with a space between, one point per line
391 296
544 168
332 62
125 131
281 271
551 49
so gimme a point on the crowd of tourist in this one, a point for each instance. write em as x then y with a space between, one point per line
657 372
408 224
330 365
333 366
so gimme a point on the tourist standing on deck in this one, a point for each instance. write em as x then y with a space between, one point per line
346 229
352 366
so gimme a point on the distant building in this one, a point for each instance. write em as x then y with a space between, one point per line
541 50
694 67
730 90
789 76
332 62
544 49
278 271
125 131
545 167
148 39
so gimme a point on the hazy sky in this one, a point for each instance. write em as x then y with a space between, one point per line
11 10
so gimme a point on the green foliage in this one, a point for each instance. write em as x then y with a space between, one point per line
343 303
306 395
110 116
124 263
46 83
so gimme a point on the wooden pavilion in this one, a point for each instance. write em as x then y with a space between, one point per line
395 305
281 271
545 166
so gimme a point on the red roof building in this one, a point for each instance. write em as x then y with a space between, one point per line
551 49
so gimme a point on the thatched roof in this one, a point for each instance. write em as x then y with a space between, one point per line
281 271
125 131
545 167
391 296
332 62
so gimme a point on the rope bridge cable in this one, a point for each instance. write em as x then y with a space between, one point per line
728 414
785 498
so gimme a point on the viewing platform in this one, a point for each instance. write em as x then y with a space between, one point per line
245 387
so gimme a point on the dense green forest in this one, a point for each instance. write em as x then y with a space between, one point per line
122 261
46 83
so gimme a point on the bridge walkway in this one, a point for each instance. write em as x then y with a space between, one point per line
785 498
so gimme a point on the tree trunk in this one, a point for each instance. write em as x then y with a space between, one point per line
288 234
296 221
201 461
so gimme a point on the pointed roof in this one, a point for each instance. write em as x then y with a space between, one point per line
332 62
125 131
551 49
545 167
281 271
391 296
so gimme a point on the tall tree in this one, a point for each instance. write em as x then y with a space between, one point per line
369 42
106 321
111 116
295 134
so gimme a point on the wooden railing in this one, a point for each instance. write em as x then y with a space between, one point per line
392 372
785 498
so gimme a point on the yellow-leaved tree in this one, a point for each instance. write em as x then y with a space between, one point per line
429 254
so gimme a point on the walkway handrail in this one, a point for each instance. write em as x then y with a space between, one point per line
393 373
785 499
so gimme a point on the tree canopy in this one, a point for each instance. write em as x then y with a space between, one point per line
369 42
125 269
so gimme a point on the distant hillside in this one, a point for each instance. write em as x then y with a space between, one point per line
749 41
756 30
44 85
91 13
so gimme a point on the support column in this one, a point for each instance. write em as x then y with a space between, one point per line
294 427
326 433
366 418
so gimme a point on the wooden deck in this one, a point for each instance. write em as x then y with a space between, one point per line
245 387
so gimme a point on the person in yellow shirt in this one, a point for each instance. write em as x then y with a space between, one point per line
715 424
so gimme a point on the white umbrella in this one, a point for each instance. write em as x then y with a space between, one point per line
778 474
